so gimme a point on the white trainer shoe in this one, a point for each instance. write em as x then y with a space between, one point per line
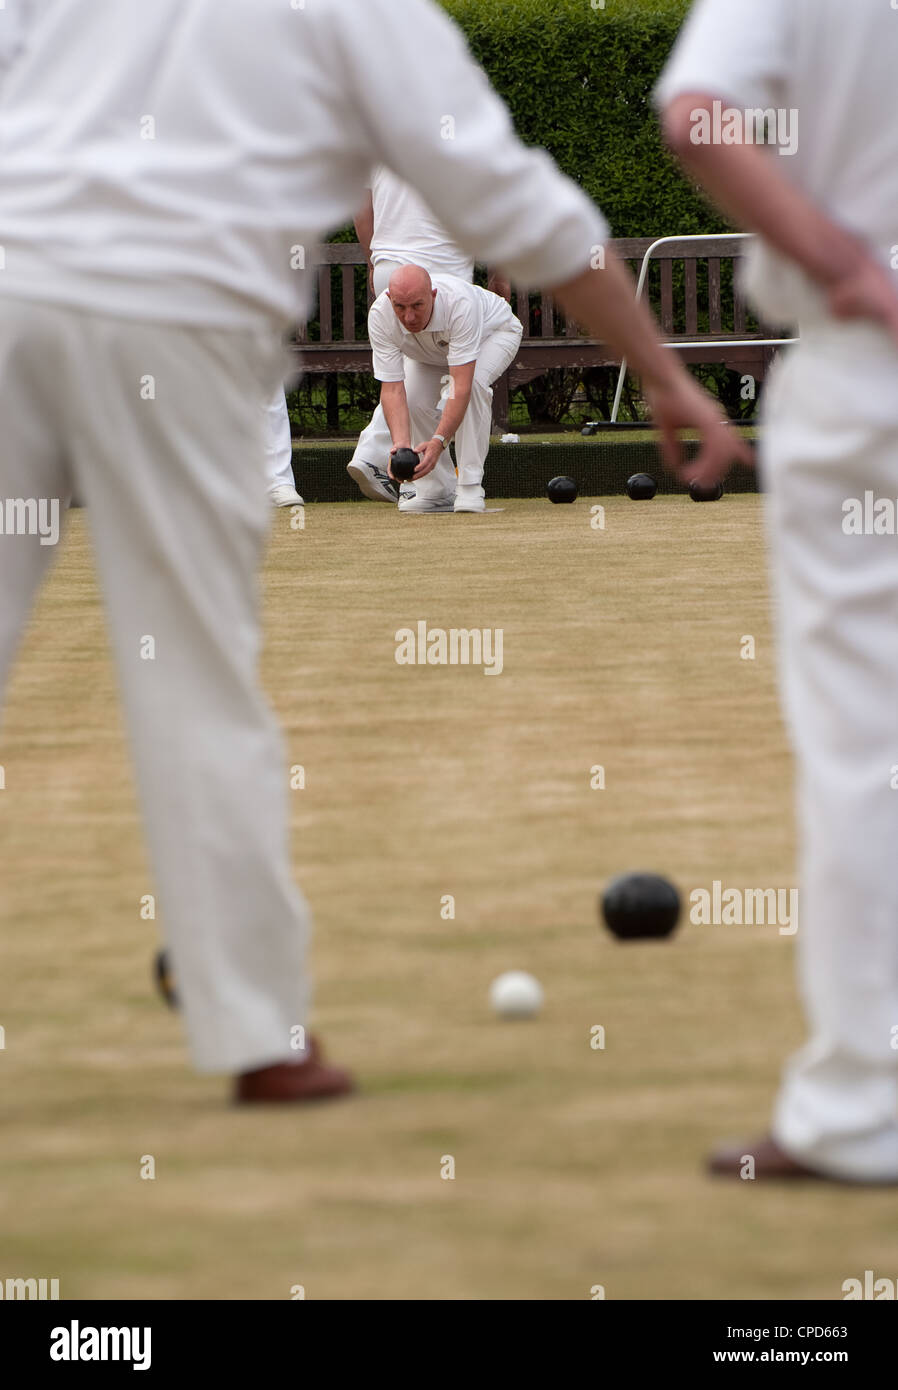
443 502
435 492
374 482
285 496
470 497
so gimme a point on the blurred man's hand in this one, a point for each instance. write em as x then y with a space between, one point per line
866 291
500 284
684 405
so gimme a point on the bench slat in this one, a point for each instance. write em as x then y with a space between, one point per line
634 248
714 294
547 317
738 313
340 253
667 318
691 298
625 248
325 308
349 304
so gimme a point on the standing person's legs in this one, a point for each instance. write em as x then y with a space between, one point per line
424 388
279 452
368 465
383 274
473 439
180 524
32 461
838 614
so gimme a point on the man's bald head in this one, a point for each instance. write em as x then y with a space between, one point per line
412 294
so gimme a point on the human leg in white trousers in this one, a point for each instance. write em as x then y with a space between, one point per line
425 386
179 532
279 453
472 440
837 1111
368 465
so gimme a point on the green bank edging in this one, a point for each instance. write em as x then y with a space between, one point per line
517 470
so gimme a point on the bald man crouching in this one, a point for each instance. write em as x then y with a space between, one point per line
439 344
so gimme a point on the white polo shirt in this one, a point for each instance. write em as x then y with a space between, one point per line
464 316
834 66
406 231
177 160
14 18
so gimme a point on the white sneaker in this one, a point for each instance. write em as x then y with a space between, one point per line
469 497
417 503
374 482
285 496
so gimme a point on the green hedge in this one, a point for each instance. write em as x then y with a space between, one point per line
520 470
578 82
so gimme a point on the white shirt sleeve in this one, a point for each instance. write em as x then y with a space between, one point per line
388 361
734 50
443 129
465 332
14 15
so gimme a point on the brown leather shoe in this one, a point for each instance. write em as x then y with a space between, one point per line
311 1079
770 1162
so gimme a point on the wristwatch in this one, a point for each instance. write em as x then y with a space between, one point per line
441 438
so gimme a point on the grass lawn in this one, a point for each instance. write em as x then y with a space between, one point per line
573 1166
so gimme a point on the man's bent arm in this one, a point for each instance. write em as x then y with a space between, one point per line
395 408
499 284
364 225
364 230
745 182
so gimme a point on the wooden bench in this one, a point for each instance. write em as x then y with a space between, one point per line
691 292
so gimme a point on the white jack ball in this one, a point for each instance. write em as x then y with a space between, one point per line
516 995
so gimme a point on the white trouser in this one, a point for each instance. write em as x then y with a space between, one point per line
838 637
426 388
179 519
383 274
278 442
